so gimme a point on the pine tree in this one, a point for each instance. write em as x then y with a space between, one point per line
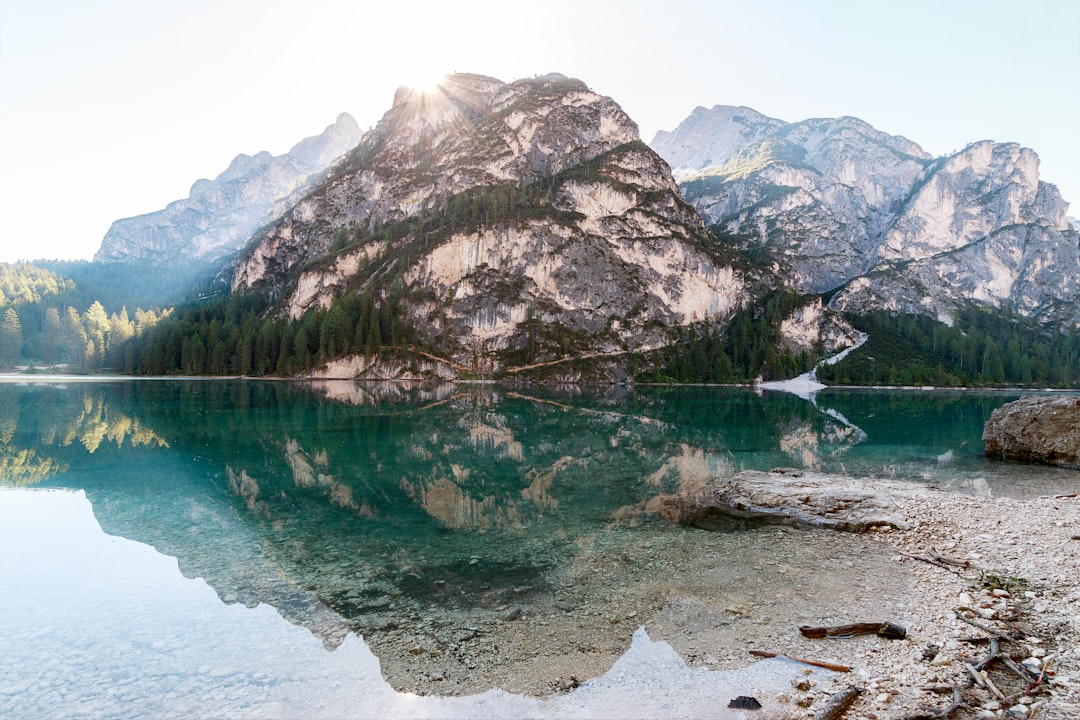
50 336
10 339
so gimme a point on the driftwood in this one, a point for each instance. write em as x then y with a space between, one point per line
888 630
973 623
839 703
990 684
815 663
995 651
935 558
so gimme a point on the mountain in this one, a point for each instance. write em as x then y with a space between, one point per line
511 223
219 215
838 207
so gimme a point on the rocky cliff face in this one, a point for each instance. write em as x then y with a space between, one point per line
522 219
219 215
836 205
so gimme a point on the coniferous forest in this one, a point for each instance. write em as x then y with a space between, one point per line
981 348
77 315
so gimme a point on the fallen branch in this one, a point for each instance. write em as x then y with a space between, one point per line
937 559
839 703
975 676
885 630
985 628
1019 671
815 663
995 651
990 684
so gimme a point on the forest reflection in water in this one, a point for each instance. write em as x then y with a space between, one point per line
465 531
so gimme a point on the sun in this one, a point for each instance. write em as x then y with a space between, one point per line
425 82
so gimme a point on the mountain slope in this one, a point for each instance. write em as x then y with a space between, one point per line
840 207
513 223
220 214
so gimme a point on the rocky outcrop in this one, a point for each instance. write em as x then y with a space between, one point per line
1036 428
515 223
219 215
786 495
839 207
352 367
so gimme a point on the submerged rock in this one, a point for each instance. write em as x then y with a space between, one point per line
1036 428
831 501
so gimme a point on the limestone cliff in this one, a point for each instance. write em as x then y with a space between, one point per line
517 223
219 215
837 206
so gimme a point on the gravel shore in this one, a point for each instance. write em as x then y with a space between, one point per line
1022 582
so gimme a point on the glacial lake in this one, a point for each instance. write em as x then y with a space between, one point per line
251 548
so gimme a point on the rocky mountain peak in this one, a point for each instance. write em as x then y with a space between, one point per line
219 215
523 218
710 137
841 206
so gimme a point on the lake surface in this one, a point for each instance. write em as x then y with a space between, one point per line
245 548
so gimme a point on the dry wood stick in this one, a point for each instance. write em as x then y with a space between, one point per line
1020 672
990 684
935 555
984 628
931 561
976 678
839 703
995 650
815 663
888 630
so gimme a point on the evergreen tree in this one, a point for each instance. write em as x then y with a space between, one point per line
74 337
11 339
50 336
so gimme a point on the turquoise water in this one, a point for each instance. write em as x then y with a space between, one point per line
422 518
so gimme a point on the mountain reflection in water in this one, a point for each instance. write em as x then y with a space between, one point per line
434 520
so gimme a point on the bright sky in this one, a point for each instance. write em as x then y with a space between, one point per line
113 108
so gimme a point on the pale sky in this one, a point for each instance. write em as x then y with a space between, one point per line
113 108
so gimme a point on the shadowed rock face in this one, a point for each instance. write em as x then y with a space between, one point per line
1036 429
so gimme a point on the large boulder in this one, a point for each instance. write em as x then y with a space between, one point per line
787 495
1036 428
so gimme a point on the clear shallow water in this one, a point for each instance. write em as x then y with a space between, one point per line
419 518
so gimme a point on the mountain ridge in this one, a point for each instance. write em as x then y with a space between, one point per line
520 220
845 209
219 215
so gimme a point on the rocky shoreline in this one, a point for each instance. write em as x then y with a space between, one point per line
940 563
976 567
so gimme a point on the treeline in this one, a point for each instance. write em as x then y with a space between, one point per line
42 324
23 283
750 347
982 348
232 336
90 341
